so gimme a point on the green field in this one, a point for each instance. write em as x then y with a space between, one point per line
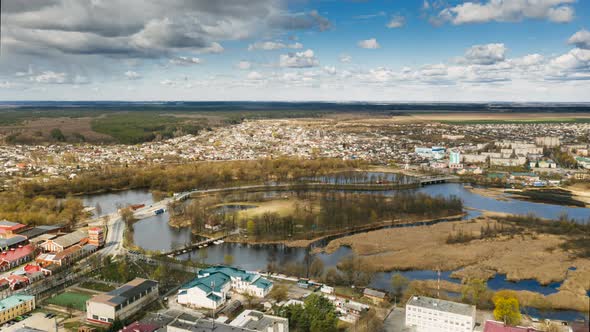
70 299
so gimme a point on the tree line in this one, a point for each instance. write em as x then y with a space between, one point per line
317 213
41 210
182 177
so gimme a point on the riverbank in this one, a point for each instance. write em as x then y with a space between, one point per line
495 193
426 248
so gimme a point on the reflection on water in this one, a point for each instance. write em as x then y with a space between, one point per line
111 202
499 282
363 178
154 233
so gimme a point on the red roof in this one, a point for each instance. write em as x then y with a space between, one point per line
16 253
492 326
10 226
32 268
140 327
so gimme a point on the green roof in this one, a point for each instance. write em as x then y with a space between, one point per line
211 283
262 283
213 297
14 300
229 271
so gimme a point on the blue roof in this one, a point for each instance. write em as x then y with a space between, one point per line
262 283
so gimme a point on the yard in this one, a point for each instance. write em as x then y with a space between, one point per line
70 299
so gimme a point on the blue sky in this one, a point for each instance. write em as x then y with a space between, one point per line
347 50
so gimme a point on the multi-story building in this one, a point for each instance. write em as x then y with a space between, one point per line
121 302
210 288
14 306
96 236
548 141
425 314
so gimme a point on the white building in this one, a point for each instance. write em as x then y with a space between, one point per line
425 314
258 321
122 302
210 288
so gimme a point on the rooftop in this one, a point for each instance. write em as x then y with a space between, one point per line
441 305
70 239
39 230
12 241
14 300
492 326
258 321
125 292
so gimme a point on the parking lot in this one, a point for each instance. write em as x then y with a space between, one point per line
36 320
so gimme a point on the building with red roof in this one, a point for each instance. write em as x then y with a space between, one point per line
16 256
493 326
140 327
8 228
16 281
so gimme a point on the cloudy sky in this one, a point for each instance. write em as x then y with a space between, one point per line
336 50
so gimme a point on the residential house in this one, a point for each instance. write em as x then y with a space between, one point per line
374 295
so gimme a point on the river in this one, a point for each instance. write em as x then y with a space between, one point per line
155 234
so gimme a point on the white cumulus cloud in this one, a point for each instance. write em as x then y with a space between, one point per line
396 21
304 59
581 39
558 11
369 43
486 54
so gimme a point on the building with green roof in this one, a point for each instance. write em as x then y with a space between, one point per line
211 286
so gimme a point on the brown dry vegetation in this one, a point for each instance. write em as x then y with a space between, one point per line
534 256
38 130
461 116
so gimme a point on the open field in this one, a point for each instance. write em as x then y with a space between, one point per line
75 129
497 117
70 299
425 248
283 207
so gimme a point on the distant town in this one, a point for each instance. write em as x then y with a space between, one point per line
81 264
